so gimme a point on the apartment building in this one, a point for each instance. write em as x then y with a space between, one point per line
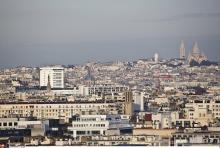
6 123
80 90
83 90
52 75
107 89
124 140
202 110
55 110
193 138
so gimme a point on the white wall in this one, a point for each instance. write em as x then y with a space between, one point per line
51 71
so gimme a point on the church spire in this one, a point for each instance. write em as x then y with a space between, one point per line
196 50
48 84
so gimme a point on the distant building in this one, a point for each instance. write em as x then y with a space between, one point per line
106 89
196 55
55 74
89 78
156 57
182 51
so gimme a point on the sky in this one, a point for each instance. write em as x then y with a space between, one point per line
42 32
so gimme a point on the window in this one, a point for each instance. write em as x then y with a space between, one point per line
96 132
81 132
5 124
15 123
10 124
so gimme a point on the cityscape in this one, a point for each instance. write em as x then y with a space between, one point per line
148 102
95 73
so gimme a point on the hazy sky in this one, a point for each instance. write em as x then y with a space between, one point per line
38 32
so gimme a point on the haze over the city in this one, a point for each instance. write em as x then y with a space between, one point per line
41 32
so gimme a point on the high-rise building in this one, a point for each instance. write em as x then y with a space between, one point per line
55 74
138 98
156 57
128 103
182 50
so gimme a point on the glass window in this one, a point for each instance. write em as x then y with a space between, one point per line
95 132
15 123
81 132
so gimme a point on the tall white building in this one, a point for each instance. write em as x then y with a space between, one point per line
138 98
156 57
87 125
52 75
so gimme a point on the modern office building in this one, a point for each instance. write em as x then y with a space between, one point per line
91 125
52 75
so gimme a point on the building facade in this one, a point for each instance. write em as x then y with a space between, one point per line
52 75
91 125
54 110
